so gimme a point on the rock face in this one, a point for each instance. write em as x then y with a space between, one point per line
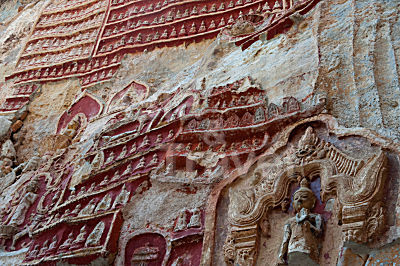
246 132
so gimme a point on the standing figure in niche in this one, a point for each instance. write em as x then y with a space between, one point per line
300 244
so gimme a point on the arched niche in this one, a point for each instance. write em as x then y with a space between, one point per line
84 109
145 248
348 170
133 93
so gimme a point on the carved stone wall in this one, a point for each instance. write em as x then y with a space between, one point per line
355 184
246 132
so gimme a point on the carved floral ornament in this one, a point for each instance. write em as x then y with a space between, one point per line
355 184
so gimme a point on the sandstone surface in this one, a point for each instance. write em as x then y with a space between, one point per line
187 132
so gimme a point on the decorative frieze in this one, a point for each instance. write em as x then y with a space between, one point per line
88 39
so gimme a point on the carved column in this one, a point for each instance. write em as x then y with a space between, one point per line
241 245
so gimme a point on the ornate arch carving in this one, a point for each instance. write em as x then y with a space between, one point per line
87 107
356 184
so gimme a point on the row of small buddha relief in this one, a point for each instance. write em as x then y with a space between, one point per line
25 89
64 16
52 58
131 168
243 145
157 6
82 240
60 5
142 164
230 122
145 144
190 28
136 11
166 16
121 149
124 2
171 16
141 38
236 101
13 104
220 121
98 76
196 10
93 207
80 30
278 6
57 44
75 68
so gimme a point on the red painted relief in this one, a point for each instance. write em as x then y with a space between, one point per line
27 211
20 210
25 90
73 239
234 111
145 24
60 40
179 111
88 39
87 106
147 248
235 123
13 104
73 211
84 220
278 16
186 252
189 222
19 97
187 238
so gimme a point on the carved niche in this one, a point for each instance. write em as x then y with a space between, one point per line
356 184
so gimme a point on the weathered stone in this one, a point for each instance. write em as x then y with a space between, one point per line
179 133
5 126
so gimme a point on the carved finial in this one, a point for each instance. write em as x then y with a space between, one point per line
304 186
307 143
304 183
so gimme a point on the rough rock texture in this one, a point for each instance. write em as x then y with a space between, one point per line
188 149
